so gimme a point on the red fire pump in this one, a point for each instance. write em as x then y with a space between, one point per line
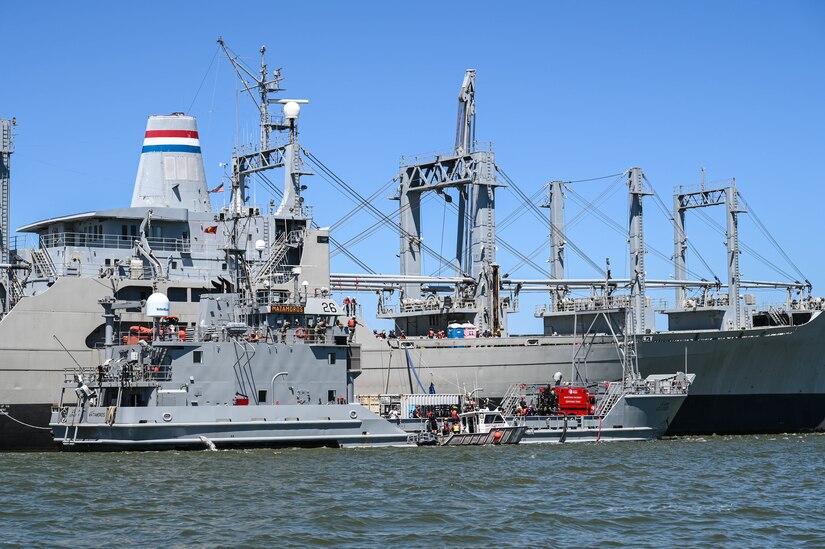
575 401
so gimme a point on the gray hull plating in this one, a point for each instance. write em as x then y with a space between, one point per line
747 368
226 427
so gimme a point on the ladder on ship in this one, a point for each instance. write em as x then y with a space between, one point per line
776 317
511 400
42 262
16 288
614 393
277 253
5 181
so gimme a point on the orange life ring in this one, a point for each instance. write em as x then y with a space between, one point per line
300 333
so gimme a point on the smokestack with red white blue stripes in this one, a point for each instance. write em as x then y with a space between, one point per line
170 173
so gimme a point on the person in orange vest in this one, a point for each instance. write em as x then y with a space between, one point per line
351 323
454 413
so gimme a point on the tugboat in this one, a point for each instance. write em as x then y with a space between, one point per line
231 384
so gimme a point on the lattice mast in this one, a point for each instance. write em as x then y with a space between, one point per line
6 150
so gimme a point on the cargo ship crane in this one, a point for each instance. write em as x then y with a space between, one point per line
471 172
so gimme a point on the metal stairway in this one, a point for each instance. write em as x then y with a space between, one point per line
277 252
614 393
42 262
511 400
778 320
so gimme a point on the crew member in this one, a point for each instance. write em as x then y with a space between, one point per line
351 323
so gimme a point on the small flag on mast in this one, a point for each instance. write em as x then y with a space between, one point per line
211 230
218 189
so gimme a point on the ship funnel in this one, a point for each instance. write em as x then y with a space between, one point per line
170 173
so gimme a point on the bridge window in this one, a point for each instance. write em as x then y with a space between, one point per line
176 294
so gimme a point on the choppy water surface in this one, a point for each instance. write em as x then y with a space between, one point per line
728 491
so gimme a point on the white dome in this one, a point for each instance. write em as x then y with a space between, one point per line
157 306
292 110
260 245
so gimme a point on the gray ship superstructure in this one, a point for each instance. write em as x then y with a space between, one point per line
169 240
758 370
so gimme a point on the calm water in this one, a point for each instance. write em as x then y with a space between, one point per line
715 491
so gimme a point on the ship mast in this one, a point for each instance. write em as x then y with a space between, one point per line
246 162
6 150
638 276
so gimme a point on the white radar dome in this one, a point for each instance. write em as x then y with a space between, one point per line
260 245
157 306
292 110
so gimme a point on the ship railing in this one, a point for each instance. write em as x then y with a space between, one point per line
113 241
432 156
293 336
671 385
118 371
21 242
597 303
123 269
428 305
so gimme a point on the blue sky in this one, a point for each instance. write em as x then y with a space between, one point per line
564 91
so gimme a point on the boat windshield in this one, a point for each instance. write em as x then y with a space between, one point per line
493 418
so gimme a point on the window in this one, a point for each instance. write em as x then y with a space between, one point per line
331 358
262 396
197 357
176 294
196 294
331 395
322 239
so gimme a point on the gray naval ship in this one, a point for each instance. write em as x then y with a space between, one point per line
757 370
244 379
169 241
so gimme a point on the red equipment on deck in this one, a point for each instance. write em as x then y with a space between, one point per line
575 401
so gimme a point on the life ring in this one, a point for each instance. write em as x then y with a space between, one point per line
300 333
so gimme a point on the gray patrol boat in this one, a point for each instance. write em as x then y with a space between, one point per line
244 379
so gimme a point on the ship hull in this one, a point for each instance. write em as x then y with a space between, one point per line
749 414
756 381
766 380
25 427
